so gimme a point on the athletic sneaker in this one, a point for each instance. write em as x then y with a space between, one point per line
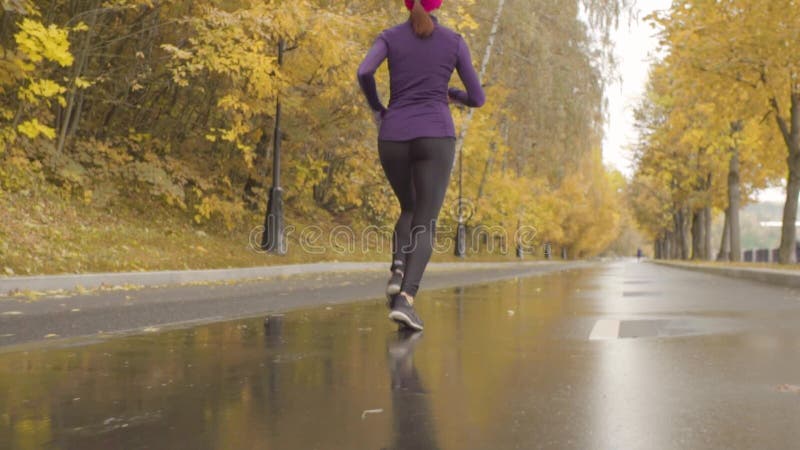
393 287
403 313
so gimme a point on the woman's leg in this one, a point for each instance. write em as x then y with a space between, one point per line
431 164
396 164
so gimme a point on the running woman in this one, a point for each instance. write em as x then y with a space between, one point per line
416 137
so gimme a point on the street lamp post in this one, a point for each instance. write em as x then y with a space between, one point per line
273 239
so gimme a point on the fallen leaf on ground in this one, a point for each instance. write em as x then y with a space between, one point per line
370 411
789 388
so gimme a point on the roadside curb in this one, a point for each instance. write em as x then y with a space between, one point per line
787 278
68 282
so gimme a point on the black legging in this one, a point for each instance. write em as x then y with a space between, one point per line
419 171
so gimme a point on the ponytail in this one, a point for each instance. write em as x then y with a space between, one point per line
421 21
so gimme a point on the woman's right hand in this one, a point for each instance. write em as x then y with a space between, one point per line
377 117
452 97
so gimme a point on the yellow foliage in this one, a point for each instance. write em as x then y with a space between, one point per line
39 42
725 63
82 83
32 128
179 104
80 27
42 88
229 211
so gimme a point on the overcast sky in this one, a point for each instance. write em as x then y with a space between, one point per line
636 44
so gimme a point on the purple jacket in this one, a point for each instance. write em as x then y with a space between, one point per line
419 71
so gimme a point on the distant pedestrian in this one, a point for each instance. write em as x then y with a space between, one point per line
638 254
416 137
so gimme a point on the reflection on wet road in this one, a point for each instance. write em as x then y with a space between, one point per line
622 356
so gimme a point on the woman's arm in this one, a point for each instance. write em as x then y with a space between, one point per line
474 96
366 73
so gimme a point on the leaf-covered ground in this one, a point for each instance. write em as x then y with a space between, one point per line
43 233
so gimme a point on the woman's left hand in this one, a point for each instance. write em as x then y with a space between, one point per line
377 117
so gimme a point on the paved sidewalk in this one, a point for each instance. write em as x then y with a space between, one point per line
777 277
105 313
68 282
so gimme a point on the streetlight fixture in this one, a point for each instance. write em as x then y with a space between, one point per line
273 239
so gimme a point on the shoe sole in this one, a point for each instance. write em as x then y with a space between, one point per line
403 319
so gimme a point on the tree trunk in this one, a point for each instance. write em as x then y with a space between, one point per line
5 30
681 243
676 235
486 169
682 233
685 243
733 206
78 71
669 246
697 235
73 128
792 138
724 245
707 233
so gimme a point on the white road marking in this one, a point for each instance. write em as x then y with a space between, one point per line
605 329
370 411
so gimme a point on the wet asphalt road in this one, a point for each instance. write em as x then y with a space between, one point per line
616 356
99 315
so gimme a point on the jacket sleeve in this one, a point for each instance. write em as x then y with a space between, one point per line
474 97
366 73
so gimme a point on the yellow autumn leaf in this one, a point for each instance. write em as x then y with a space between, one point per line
33 128
39 42
83 83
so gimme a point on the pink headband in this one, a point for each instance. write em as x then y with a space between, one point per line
429 5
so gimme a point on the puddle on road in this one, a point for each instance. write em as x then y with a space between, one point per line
309 379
